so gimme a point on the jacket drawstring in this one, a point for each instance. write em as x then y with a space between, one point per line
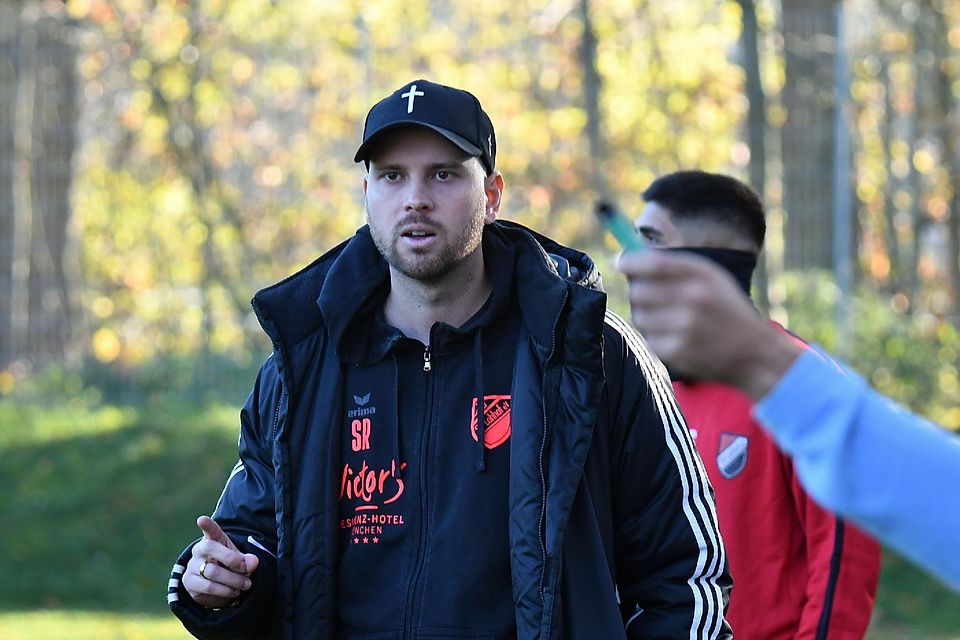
481 421
396 413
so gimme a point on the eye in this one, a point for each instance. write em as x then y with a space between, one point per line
651 236
443 175
391 176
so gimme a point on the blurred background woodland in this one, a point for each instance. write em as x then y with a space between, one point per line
161 160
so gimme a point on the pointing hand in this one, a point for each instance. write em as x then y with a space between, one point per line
217 572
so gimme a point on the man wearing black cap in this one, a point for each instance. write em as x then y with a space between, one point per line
453 438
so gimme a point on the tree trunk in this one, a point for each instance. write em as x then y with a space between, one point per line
9 61
809 33
54 130
948 129
918 219
37 131
887 132
591 98
756 127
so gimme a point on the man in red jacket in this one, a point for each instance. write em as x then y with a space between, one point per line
799 572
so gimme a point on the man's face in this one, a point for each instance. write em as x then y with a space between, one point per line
661 229
427 202
655 224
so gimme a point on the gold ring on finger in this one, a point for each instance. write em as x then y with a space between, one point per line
203 566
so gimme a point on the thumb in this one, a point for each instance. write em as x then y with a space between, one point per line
212 531
250 562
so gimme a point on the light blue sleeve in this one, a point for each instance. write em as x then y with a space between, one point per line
893 473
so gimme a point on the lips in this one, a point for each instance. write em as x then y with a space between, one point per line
417 233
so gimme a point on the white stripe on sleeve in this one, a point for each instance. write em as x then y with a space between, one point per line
696 506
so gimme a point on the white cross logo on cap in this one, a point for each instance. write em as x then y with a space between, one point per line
411 95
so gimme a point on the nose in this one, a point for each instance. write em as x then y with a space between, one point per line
418 197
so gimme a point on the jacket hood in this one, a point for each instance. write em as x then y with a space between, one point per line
350 280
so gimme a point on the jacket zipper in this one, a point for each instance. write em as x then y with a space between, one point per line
273 436
541 525
543 493
276 417
414 589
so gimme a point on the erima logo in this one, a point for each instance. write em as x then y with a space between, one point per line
361 401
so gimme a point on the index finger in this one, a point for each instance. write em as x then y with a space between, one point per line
217 545
211 530
216 554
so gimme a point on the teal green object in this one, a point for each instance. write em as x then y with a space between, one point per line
620 227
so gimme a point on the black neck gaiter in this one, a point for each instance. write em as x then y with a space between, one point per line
739 264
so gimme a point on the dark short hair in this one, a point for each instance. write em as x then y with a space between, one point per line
720 198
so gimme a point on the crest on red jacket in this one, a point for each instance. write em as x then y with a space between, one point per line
732 454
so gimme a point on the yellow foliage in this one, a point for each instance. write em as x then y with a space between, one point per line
7 382
164 33
924 161
174 85
567 122
79 9
141 68
243 170
102 307
106 345
949 418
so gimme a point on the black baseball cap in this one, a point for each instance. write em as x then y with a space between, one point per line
453 113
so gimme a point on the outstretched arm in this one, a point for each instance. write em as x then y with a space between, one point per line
891 472
696 318
859 454
237 550
218 573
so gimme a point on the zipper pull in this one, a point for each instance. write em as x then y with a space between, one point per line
426 359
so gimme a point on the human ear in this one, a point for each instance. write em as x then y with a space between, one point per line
493 189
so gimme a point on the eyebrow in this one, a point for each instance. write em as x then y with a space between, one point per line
434 166
450 164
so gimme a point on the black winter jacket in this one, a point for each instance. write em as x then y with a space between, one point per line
613 530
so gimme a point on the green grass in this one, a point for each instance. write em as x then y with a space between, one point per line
912 606
86 625
99 501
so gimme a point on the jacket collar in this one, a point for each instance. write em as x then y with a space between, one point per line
348 282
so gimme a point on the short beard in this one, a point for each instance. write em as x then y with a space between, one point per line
429 269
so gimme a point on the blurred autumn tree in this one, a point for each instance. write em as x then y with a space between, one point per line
218 136
214 145
809 99
906 88
38 118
